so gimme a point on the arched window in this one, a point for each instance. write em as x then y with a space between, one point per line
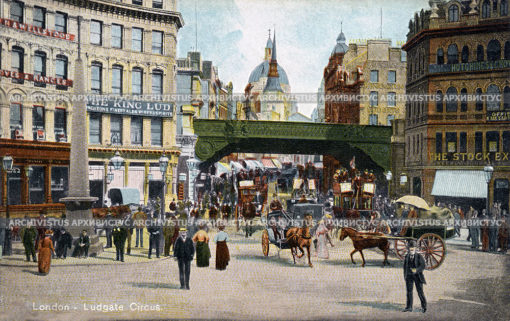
451 99
503 8
479 99
506 98
453 13
479 53
439 101
440 56
463 100
493 97
453 54
137 81
157 82
96 77
117 73
507 50
493 50
465 54
486 9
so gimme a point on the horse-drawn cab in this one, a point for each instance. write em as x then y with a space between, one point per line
277 225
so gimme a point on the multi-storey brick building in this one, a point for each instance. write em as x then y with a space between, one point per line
129 49
459 54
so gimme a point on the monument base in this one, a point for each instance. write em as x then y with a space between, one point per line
79 216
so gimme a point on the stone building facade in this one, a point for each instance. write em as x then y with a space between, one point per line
385 78
459 55
129 48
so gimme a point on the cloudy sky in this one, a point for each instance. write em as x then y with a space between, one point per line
233 33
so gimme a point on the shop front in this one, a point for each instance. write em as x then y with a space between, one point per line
38 180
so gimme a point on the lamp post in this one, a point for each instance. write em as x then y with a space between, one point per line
163 165
7 162
117 161
389 176
488 170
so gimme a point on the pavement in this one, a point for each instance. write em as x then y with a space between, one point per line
469 285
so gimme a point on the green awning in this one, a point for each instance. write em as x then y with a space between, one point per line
459 183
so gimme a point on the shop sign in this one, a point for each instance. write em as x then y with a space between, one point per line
36 78
470 66
498 156
498 115
36 30
119 105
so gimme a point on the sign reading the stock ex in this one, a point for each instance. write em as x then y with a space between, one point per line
124 106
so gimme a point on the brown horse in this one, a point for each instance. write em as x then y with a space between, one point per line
365 240
299 238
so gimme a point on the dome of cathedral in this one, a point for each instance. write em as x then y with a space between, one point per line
262 70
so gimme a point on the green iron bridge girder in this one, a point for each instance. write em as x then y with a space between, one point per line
219 138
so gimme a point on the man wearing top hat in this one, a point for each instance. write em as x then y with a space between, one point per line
184 252
414 264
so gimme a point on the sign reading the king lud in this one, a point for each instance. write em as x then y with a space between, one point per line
125 106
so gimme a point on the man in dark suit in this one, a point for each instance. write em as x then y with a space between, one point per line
414 264
183 252
154 236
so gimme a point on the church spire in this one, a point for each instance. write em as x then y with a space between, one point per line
273 78
269 46
273 64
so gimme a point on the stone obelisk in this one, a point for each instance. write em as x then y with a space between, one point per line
78 202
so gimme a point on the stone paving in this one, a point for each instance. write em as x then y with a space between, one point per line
470 285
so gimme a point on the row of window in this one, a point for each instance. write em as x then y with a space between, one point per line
493 53
61 70
38 122
95 126
117 37
136 130
392 76
137 75
457 142
453 10
373 119
96 27
492 98
391 99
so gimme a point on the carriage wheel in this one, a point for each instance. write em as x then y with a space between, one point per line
265 243
433 249
400 247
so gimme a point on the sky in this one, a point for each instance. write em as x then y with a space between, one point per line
233 34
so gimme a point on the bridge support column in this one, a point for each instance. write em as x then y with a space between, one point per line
192 175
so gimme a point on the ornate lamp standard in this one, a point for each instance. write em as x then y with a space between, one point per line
193 173
117 161
163 165
7 162
488 170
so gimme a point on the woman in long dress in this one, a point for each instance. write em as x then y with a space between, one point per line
45 247
202 247
222 253
322 234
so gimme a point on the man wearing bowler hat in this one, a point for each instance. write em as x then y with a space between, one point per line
183 252
414 264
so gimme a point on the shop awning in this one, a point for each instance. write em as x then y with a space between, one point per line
253 164
236 166
277 163
268 163
458 183
222 168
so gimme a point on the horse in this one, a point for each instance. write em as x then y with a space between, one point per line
299 238
365 240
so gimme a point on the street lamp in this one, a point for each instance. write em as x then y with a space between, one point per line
117 161
110 176
488 170
163 165
389 176
7 162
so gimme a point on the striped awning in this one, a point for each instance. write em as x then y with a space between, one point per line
277 163
459 183
236 166
268 163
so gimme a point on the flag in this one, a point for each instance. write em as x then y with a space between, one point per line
353 162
